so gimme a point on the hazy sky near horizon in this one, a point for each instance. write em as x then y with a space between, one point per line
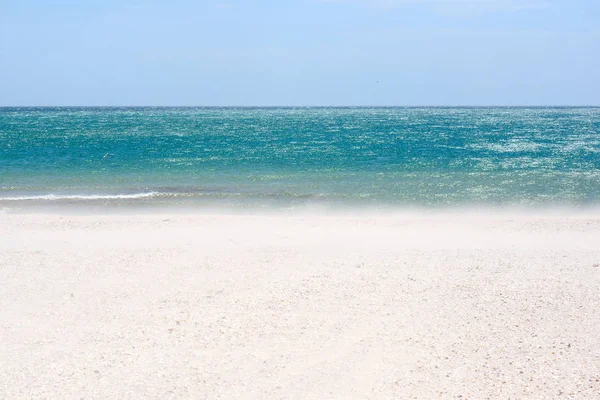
304 52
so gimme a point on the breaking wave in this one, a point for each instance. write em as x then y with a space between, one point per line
57 197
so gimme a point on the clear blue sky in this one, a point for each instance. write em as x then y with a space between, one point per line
304 52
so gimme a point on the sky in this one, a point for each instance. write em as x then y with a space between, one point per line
299 52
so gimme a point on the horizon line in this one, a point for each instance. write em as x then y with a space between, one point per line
313 106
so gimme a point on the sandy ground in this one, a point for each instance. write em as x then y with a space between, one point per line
369 306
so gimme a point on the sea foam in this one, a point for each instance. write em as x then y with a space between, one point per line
58 197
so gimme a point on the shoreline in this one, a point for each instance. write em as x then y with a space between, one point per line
321 210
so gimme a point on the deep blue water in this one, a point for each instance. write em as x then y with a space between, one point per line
288 157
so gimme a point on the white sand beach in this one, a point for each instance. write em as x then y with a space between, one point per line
301 307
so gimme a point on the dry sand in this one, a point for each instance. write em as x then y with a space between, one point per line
290 306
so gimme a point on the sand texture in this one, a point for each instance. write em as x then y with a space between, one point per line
303 307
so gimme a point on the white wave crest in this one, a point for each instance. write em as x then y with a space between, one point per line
80 196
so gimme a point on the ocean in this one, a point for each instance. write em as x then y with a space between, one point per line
291 158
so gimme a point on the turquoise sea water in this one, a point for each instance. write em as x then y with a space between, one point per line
293 157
